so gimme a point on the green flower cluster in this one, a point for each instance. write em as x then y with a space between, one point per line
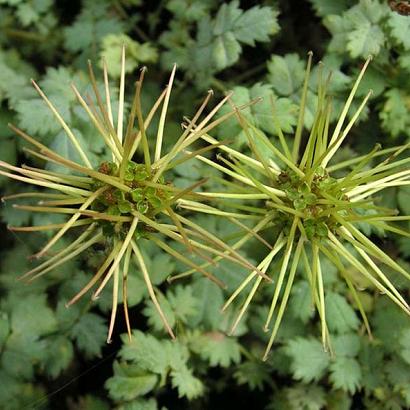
145 198
313 212
314 200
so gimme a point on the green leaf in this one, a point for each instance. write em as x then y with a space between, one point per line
405 393
36 118
403 199
13 78
255 24
48 218
17 364
111 49
183 302
78 36
32 316
15 217
90 334
339 400
92 24
304 397
358 30
261 114
129 382
9 389
60 353
210 299
226 50
286 73
66 316
367 10
398 371
136 290
388 321
347 345
90 402
140 404
217 348
177 353
70 288
333 66
8 154
63 146
404 61
254 374
160 267
400 29
309 361
14 263
187 384
21 351
8 151
367 37
146 351
153 356
219 41
300 303
15 395
26 14
57 82
339 27
190 170
373 80
154 319
405 345
340 316
365 40
372 363
345 374
325 7
4 328
192 10
394 113
404 246
285 112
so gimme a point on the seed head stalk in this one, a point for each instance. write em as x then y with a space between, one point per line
314 213
121 203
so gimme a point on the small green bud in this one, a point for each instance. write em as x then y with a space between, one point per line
154 201
140 173
129 176
292 194
142 206
309 229
299 204
113 210
310 198
119 195
131 166
137 194
304 188
124 207
321 230
320 171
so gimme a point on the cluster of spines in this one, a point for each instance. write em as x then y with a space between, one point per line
315 211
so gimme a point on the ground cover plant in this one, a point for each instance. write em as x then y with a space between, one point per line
241 170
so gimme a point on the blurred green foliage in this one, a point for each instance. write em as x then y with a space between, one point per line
53 357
